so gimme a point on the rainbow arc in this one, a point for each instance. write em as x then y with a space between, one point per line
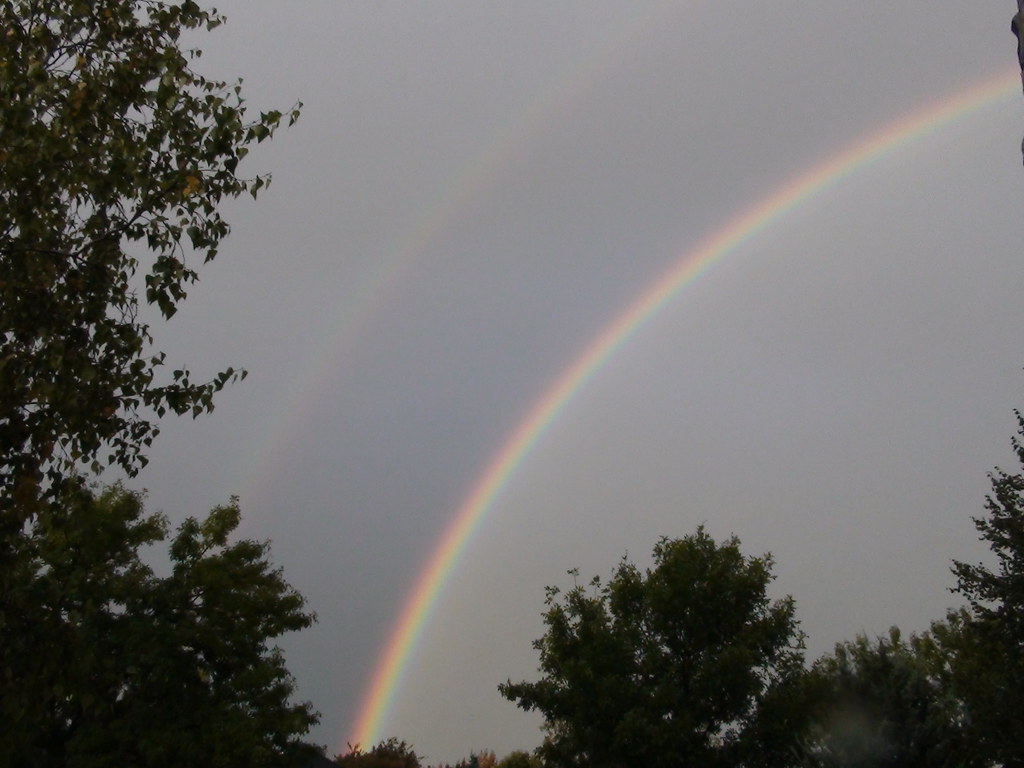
740 230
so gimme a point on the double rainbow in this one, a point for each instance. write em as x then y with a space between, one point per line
415 612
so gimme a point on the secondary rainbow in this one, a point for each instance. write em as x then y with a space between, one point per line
445 207
432 579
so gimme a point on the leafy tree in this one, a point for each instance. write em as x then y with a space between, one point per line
483 759
886 704
1016 25
114 156
987 639
105 663
519 759
390 753
666 667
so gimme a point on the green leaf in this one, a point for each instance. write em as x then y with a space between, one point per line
86 180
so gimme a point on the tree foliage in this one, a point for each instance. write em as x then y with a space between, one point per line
389 753
887 704
986 641
519 759
106 663
665 667
114 156
1017 27
483 759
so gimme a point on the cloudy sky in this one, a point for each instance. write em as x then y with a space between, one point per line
475 190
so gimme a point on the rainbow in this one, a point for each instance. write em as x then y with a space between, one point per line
452 202
695 262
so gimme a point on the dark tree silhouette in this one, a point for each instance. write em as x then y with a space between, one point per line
1015 26
668 666
115 155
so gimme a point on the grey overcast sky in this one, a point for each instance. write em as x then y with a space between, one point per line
474 190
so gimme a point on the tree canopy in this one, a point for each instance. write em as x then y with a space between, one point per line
885 702
665 667
114 156
389 753
953 695
107 663
986 640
